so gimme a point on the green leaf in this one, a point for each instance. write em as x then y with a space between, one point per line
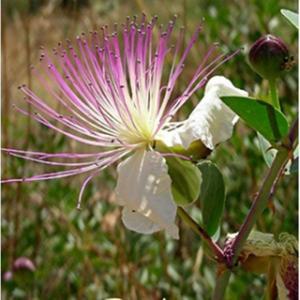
259 115
186 180
212 196
217 234
291 16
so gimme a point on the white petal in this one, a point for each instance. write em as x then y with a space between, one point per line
144 189
211 121
135 221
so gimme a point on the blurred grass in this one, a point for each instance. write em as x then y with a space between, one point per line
88 254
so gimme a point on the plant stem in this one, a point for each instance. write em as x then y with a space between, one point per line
260 202
274 94
293 134
201 232
221 284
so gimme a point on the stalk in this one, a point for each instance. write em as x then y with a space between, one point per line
221 285
259 204
267 189
201 232
274 95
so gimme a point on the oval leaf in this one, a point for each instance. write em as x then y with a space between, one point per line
186 180
291 16
212 196
259 115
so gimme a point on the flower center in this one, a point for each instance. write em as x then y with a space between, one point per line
139 129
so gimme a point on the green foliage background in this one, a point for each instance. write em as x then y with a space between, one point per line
88 254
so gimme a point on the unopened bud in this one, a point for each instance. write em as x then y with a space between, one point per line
23 264
7 276
269 57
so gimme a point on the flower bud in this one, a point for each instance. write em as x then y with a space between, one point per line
23 264
269 57
7 276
